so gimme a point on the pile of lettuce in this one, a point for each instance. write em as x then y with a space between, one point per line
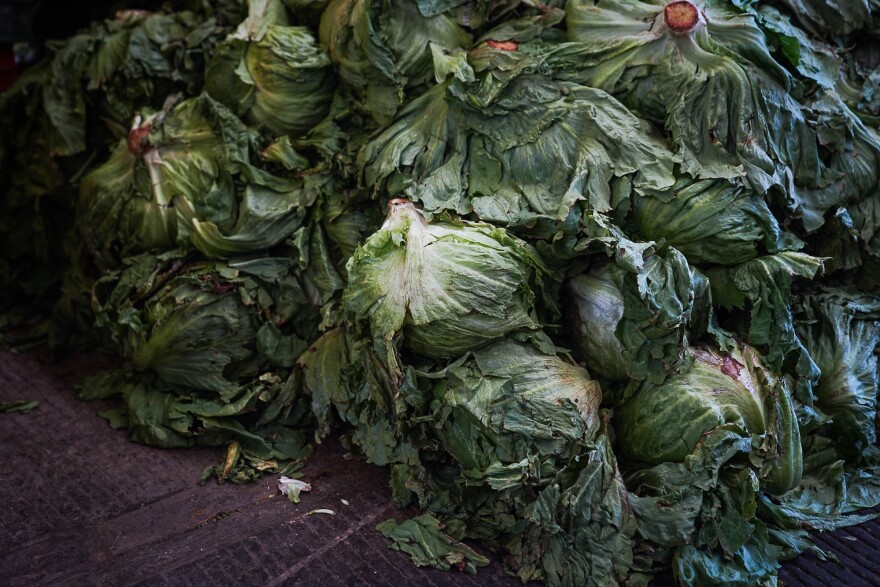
598 283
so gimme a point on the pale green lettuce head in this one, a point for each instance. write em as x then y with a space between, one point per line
183 177
272 75
448 288
733 391
710 221
383 48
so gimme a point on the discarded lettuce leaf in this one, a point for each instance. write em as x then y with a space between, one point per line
22 405
423 539
292 488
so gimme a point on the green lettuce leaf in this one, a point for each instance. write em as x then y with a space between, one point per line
514 146
348 382
761 288
842 18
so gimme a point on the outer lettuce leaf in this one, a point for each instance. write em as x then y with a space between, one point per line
843 17
828 495
812 59
422 153
838 242
856 156
423 539
762 286
349 382
270 209
264 424
520 145
537 154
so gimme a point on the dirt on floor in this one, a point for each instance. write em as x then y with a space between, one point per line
80 505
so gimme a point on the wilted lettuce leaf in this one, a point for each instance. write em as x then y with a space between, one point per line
812 58
21 406
761 288
265 420
423 539
424 148
829 493
349 382
856 154
843 17
518 453
838 243
520 145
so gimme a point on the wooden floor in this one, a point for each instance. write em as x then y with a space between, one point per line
80 505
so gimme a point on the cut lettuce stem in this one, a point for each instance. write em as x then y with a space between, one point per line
681 17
